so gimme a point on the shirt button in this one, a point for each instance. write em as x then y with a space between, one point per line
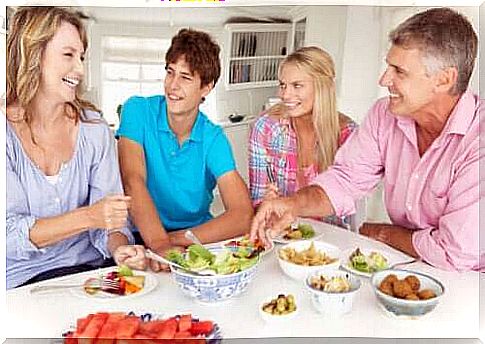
409 207
173 153
416 176
57 199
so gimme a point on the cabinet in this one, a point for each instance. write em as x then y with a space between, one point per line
254 54
238 136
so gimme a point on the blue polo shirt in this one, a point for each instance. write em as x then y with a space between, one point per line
180 179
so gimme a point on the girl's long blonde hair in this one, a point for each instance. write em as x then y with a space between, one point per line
320 67
32 28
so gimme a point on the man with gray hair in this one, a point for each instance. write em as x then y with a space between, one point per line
422 141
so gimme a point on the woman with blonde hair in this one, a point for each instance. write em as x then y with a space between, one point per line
66 211
297 139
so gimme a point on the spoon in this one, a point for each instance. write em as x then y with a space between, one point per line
152 255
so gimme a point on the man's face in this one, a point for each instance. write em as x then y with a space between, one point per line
411 90
183 89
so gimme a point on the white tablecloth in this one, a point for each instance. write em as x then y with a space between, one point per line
457 315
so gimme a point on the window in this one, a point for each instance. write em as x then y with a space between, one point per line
135 66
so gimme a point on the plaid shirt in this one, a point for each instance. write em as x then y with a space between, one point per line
273 141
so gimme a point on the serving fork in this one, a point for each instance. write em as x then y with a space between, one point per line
152 255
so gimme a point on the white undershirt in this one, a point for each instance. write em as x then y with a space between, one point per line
53 179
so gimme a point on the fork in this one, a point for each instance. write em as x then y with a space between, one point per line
269 172
393 266
91 286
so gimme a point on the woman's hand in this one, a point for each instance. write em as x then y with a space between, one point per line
110 212
271 192
131 255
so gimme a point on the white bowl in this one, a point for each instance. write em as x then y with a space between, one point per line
209 289
401 308
300 272
333 304
270 318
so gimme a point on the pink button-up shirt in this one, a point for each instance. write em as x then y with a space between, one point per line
436 194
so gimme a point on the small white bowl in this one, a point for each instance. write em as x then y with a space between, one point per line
270 318
333 304
410 309
300 272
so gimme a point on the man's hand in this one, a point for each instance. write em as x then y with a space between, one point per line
377 232
400 238
276 215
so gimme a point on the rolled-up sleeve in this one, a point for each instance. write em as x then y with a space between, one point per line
357 167
455 244
105 180
18 220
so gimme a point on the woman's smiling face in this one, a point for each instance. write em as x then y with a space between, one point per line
62 66
296 91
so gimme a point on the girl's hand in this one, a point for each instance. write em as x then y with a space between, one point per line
271 192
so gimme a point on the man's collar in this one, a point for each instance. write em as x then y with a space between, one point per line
163 125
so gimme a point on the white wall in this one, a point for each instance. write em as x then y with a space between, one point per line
326 28
399 14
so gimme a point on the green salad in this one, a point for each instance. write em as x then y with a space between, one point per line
223 262
371 263
304 231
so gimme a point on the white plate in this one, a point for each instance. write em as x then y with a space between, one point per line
318 233
366 251
150 283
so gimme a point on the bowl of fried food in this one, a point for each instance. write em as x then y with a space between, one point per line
406 294
299 259
332 292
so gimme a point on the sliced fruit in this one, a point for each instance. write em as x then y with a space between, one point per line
124 270
201 327
185 322
137 280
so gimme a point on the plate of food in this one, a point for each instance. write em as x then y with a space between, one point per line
146 326
120 282
364 262
244 242
304 231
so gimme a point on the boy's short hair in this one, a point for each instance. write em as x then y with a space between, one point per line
200 52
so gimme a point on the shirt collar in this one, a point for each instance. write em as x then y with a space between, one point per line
462 115
197 128
460 118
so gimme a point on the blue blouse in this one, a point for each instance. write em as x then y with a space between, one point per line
90 175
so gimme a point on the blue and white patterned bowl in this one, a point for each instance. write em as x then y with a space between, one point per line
407 308
215 288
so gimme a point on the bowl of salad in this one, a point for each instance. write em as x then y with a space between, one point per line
213 274
364 262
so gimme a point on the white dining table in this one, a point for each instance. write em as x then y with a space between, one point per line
47 315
